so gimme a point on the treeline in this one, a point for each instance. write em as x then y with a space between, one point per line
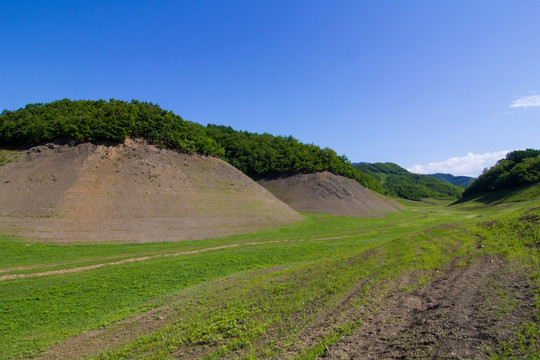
113 120
260 155
397 181
520 167
116 120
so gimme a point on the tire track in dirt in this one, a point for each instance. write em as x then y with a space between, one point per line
152 257
466 313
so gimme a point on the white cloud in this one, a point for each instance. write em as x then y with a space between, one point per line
526 101
469 165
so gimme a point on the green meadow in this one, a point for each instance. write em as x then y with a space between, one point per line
287 293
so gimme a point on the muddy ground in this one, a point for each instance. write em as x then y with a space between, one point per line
466 313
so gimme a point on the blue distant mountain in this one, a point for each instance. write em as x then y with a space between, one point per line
462 181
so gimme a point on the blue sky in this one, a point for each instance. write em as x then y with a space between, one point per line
452 83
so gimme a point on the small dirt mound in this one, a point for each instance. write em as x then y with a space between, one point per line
324 192
130 192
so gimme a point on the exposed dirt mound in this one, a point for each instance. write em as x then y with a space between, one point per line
324 192
130 192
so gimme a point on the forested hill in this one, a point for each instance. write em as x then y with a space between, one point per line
462 181
259 155
113 120
520 167
116 120
397 181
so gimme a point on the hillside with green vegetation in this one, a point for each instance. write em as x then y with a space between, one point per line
518 168
113 120
397 181
116 120
462 181
262 155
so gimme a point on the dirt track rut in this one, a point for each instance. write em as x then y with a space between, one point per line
463 314
145 258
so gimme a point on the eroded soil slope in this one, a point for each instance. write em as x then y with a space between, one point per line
324 192
130 192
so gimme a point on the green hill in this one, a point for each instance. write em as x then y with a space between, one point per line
518 168
113 120
514 194
397 181
462 181
116 120
267 155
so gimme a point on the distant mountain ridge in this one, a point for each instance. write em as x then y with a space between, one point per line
462 181
397 181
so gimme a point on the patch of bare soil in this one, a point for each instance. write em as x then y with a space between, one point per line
464 314
324 192
130 192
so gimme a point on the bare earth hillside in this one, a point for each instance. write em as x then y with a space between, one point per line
324 192
130 192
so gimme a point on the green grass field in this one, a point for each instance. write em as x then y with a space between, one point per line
255 295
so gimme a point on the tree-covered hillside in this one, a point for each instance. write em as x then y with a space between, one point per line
268 155
462 181
520 167
113 120
116 120
397 181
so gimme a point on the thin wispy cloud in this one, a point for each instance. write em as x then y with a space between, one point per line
526 101
468 165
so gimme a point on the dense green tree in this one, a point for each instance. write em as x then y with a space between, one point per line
520 167
113 120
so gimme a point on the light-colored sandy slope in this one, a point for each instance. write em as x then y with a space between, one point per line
130 192
324 192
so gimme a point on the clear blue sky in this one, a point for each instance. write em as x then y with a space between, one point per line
411 82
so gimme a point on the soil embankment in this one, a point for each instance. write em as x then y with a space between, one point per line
130 192
324 192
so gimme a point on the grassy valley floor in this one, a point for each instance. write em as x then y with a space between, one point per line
463 279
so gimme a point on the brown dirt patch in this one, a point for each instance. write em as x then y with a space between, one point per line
324 192
463 314
130 192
